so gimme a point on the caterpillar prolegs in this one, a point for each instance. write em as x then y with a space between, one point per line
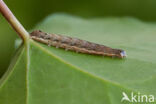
75 44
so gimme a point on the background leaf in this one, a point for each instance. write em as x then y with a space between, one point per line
58 76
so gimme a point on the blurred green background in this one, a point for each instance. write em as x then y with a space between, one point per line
30 12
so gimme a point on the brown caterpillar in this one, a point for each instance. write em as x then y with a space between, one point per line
77 45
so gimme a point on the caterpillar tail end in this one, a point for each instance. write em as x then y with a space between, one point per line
123 54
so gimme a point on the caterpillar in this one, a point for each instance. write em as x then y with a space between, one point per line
75 44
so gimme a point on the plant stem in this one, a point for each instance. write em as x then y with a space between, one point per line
6 12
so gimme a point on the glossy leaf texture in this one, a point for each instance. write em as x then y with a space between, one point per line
56 76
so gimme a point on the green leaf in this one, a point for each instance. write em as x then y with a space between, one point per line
86 8
55 76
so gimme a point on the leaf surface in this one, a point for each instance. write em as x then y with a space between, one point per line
56 76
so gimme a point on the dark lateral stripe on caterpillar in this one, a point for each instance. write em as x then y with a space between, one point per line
75 44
